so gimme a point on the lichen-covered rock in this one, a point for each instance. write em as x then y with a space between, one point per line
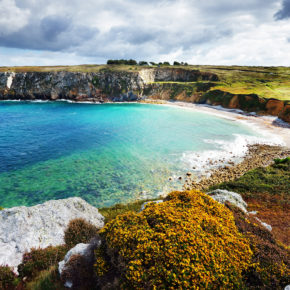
23 228
223 196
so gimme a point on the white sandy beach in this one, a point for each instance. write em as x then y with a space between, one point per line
275 130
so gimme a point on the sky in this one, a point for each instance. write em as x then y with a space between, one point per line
217 32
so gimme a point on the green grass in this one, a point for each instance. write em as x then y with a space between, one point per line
111 212
46 280
266 82
260 183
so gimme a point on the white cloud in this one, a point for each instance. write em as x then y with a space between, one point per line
205 32
12 18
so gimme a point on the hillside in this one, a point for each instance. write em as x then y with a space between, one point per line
267 82
264 90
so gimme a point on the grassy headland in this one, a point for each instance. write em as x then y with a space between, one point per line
266 82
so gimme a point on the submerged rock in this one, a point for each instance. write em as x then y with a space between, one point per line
23 228
234 198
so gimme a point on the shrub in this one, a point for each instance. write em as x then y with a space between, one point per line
143 63
40 259
122 61
79 231
270 261
7 278
176 63
80 272
188 241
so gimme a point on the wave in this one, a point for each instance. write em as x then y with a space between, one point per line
226 152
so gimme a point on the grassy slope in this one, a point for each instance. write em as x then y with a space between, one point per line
267 82
267 190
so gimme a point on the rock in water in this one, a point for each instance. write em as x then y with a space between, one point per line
221 196
39 226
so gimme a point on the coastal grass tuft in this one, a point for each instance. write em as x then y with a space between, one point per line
46 280
263 182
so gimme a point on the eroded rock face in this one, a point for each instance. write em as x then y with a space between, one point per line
274 107
23 228
285 113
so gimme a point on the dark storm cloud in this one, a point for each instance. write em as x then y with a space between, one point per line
50 33
284 12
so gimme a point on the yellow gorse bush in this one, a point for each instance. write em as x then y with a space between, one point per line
188 241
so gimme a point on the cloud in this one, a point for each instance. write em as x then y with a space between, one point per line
284 12
188 30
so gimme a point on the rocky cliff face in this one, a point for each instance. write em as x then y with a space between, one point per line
118 86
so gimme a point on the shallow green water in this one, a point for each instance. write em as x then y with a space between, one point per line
107 153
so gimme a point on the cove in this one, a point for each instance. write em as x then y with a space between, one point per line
106 153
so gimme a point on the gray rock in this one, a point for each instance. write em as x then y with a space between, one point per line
23 228
234 198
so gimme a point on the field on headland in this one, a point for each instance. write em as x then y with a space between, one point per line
266 82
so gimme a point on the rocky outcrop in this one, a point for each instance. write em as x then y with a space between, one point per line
223 196
23 228
274 107
285 113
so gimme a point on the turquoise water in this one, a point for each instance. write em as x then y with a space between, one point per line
106 154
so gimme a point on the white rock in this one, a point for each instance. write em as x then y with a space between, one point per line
234 198
145 203
85 250
265 225
79 249
23 228
287 287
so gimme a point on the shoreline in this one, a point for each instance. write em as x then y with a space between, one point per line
270 126
257 156
274 143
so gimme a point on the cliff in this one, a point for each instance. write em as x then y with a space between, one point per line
112 85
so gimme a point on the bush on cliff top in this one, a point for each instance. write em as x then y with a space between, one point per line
79 231
188 241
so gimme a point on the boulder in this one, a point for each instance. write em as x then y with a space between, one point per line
223 196
23 228
86 252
